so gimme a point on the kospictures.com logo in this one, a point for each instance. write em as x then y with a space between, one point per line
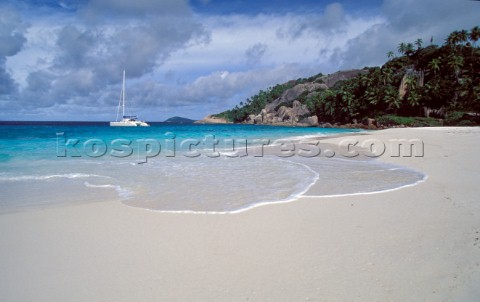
143 149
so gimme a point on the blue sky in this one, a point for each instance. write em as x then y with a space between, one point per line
63 59
279 6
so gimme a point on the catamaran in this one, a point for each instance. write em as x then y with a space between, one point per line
127 120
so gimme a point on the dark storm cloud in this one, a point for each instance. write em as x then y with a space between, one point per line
90 53
74 46
11 42
255 53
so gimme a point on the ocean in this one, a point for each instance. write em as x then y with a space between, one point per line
179 167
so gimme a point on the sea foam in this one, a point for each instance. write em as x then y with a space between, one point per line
234 181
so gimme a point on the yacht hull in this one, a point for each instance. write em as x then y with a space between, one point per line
128 120
129 124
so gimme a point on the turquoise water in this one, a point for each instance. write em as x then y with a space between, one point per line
21 142
170 167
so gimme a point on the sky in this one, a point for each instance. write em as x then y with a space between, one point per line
62 60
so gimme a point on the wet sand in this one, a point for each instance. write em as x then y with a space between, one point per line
419 243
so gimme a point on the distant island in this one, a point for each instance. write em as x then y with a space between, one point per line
423 86
179 120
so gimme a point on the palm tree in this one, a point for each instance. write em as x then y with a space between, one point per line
475 35
402 48
390 55
434 65
411 82
419 43
391 97
455 62
463 36
453 38
387 74
413 97
409 49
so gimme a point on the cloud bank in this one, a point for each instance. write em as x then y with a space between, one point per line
65 62
12 40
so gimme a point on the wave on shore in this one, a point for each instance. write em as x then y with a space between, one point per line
224 184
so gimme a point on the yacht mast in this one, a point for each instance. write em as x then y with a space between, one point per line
123 95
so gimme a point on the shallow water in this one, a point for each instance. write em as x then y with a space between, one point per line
40 168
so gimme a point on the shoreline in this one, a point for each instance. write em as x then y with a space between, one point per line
107 190
419 242
268 151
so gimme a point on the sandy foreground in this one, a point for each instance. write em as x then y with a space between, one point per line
420 243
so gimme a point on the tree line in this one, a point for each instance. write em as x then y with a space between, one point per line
418 80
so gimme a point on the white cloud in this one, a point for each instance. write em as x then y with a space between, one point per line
406 21
218 90
12 40
69 62
332 21
82 60
234 36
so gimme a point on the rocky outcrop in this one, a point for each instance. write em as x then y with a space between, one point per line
370 121
440 113
402 89
285 113
210 119
288 109
297 115
332 79
294 93
326 125
311 121
287 97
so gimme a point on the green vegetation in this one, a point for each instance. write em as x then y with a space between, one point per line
424 84
393 120
256 103
461 119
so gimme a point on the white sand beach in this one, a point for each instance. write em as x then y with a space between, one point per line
419 243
